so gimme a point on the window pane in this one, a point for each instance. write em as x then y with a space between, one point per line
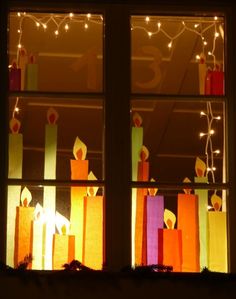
169 137
56 52
73 231
177 55
183 229
46 133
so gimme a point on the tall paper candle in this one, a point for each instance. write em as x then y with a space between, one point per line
155 212
49 193
202 70
93 228
79 171
15 155
200 168
170 243
188 223
63 243
217 237
38 238
141 221
136 143
31 74
23 232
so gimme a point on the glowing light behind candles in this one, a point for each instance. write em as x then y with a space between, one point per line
49 194
15 154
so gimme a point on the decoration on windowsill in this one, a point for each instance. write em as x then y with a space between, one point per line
31 74
14 77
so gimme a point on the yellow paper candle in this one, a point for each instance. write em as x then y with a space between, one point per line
23 231
79 171
63 243
217 237
136 143
93 228
200 169
38 238
49 193
15 154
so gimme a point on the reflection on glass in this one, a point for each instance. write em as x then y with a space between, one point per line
177 55
185 230
51 238
55 52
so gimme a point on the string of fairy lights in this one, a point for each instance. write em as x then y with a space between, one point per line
201 27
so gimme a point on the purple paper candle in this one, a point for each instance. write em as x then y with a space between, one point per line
155 220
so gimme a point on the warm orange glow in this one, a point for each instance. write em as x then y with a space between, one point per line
216 202
14 125
169 219
79 149
200 167
137 120
52 116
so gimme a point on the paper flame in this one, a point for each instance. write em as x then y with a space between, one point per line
79 149
14 125
92 190
152 191
26 197
169 219
62 224
187 190
39 213
200 167
216 202
52 116
137 120
144 153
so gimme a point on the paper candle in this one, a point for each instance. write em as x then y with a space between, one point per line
22 61
155 212
170 243
188 224
217 81
208 82
217 237
31 74
136 143
49 193
141 221
202 69
38 238
15 156
23 231
14 78
200 168
93 228
79 171
63 243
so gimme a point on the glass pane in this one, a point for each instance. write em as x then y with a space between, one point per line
48 135
182 229
54 226
173 140
177 55
56 52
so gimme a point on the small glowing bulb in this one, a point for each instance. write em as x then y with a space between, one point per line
56 32
159 25
86 26
71 15
66 27
196 25
202 113
149 34
217 34
17 109
45 26
217 151
18 31
197 57
37 24
170 45
215 18
209 53
89 15
19 46
9 66
18 14
213 168
147 19
212 132
218 117
202 134
183 23
205 43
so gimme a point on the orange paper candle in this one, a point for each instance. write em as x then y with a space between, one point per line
23 229
63 243
141 221
188 223
93 228
79 171
170 243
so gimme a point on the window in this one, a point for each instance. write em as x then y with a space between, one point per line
118 138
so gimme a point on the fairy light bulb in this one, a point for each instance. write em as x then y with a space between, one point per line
217 34
147 19
170 45
66 27
37 24
86 26
19 46
17 110
56 32
183 23
212 132
198 57
202 134
217 151
89 15
204 43
45 26
18 14
149 34
215 18
196 25
71 15
19 31
159 25
209 53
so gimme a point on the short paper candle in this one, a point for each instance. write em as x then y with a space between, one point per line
24 231
217 236
79 171
170 243
14 78
31 74
141 221
93 228
200 168
155 212
63 243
